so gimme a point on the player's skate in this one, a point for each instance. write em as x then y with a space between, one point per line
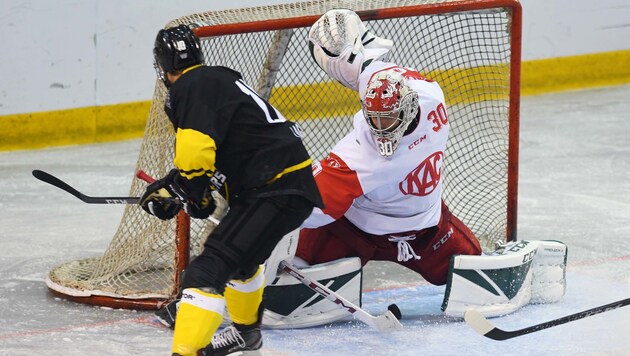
167 314
235 340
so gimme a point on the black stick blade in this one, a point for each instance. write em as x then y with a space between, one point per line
481 325
52 180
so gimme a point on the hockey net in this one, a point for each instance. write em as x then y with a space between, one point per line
471 47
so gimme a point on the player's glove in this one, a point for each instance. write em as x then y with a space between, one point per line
165 197
160 198
203 208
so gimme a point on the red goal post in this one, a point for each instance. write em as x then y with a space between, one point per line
471 47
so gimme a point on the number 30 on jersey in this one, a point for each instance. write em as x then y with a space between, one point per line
438 117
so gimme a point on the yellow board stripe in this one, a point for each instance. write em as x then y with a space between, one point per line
126 121
73 126
575 72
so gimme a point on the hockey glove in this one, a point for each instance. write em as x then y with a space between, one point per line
197 196
165 197
203 209
160 198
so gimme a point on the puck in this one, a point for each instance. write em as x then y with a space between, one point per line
395 310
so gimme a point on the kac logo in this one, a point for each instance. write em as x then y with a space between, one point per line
425 178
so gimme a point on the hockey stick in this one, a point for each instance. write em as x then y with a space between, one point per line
50 179
481 325
386 322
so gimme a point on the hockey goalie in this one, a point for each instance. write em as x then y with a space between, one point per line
382 192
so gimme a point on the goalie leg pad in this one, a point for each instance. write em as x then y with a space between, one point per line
291 304
549 271
494 285
284 251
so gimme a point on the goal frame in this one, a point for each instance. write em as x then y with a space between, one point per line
183 224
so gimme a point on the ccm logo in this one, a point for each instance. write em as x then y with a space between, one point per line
417 142
529 256
443 240
519 246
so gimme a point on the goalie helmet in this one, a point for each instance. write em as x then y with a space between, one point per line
175 48
342 46
390 105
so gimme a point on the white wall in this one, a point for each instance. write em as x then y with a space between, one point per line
558 28
77 53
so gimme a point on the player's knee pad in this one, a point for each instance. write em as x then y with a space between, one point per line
243 298
499 284
290 304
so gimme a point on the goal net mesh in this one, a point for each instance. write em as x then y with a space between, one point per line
469 52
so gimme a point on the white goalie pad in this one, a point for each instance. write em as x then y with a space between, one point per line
284 251
549 270
525 272
290 304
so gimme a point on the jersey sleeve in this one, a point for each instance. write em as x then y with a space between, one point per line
195 153
338 185
199 131
200 127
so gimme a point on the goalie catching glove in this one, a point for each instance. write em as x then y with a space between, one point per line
165 197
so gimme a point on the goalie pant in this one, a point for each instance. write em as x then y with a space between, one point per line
426 252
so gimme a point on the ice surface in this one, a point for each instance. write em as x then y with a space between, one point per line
574 187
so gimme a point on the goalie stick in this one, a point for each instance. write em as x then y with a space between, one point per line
386 322
481 325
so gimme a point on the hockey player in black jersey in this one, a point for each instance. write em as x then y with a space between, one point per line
228 140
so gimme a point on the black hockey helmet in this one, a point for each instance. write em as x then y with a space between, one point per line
176 48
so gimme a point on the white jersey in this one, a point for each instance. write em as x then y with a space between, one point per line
387 195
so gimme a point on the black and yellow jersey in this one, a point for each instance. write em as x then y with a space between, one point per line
226 134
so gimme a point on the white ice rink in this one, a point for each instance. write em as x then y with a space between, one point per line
574 187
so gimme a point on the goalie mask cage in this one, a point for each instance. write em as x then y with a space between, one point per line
471 47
